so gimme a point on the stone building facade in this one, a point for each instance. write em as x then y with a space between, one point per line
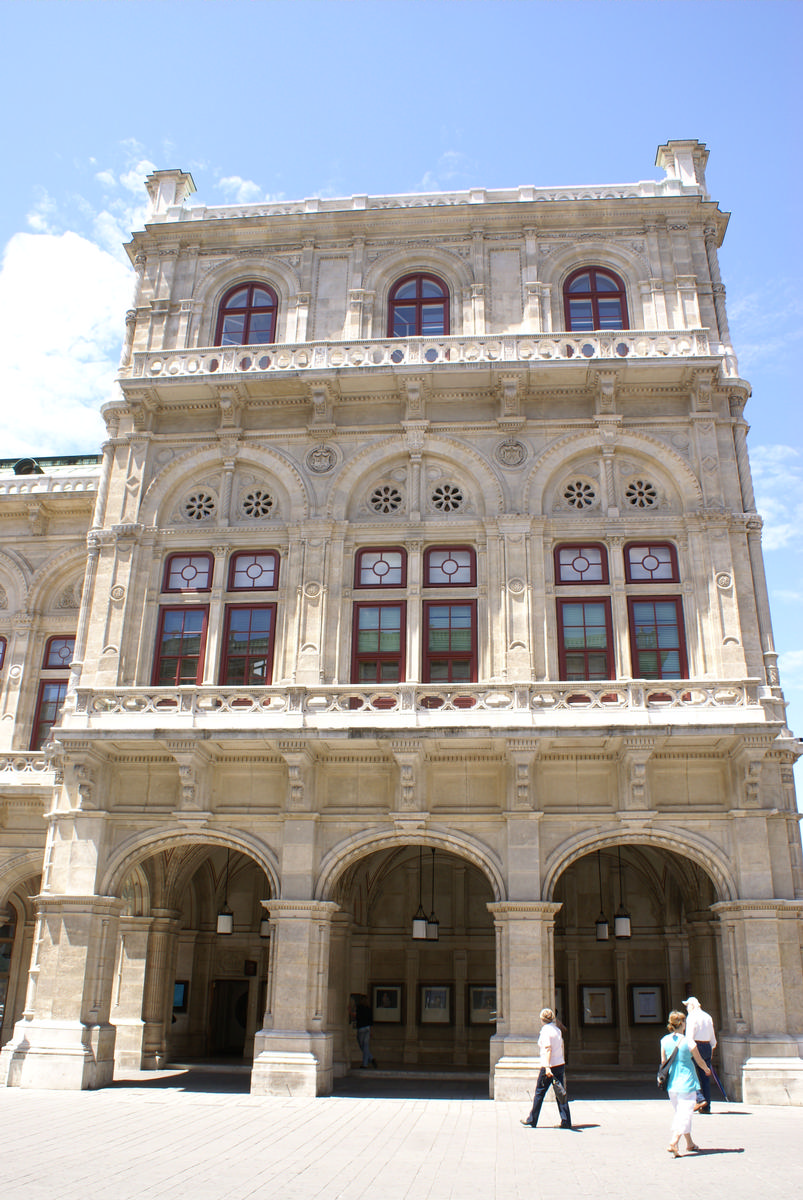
420 575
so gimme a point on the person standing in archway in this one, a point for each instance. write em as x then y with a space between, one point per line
553 1071
700 1028
679 1050
363 1020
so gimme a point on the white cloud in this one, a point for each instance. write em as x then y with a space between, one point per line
453 171
778 484
62 309
790 666
241 191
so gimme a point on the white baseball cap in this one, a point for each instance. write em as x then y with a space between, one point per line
692 1002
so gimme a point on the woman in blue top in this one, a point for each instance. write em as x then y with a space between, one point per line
682 1079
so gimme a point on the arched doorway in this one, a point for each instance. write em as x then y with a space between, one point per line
17 920
432 997
614 992
185 989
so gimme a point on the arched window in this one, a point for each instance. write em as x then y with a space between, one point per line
594 299
418 307
247 316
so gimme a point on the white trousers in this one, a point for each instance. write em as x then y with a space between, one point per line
683 1104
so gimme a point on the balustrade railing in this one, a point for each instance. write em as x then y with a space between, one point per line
344 706
423 352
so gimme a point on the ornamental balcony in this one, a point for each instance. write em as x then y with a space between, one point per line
383 355
344 710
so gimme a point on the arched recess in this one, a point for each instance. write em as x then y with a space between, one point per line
209 293
141 846
557 460
165 487
635 933
431 996
703 853
188 985
15 581
628 264
349 851
20 882
380 458
47 586
385 271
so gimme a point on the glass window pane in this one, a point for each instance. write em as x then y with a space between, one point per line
449 567
189 572
605 283
254 571
406 291
610 314
238 299
233 331
433 320
580 564
382 568
581 318
261 298
404 321
438 671
260 329
461 672
60 652
389 672
430 288
581 284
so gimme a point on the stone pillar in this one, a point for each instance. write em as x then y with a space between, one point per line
337 1008
129 981
158 986
293 1050
762 974
64 1039
525 983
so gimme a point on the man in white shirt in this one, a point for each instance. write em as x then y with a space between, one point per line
700 1029
552 1073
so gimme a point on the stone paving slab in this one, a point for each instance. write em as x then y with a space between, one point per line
163 1142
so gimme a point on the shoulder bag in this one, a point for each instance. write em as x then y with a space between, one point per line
662 1078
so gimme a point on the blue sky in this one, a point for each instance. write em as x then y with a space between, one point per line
296 98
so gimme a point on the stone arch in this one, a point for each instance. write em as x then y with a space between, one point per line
53 575
628 263
701 851
16 871
141 846
183 471
254 269
384 272
15 581
381 456
560 455
347 852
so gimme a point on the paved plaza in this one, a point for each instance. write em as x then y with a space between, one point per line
166 1136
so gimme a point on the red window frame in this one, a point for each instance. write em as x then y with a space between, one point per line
650 547
249 656
3 644
201 554
248 310
362 658
430 550
417 303
588 651
380 550
42 726
578 548
639 654
160 657
456 659
54 659
595 295
258 585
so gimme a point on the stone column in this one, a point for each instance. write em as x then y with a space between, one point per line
525 982
762 973
337 1008
293 1050
129 981
64 1039
158 985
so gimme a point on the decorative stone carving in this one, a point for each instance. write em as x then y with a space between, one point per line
321 459
511 453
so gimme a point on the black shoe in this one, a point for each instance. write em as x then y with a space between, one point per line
563 1125
374 1063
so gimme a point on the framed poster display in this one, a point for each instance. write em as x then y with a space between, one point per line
436 1004
596 1004
387 1003
181 989
481 1004
646 1004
